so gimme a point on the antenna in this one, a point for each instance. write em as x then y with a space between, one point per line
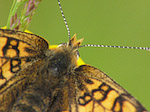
65 21
94 45
109 46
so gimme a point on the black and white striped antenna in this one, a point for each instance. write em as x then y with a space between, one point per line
65 21
110 46
94 45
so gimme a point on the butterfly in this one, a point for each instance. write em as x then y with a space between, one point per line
36 78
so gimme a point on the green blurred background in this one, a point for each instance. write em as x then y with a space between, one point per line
109 22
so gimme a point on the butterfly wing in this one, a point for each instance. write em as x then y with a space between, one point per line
19 59
97 92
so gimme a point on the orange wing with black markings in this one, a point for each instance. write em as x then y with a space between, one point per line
19 53
99 93
15 50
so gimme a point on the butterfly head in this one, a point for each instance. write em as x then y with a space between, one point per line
63 58
74 43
